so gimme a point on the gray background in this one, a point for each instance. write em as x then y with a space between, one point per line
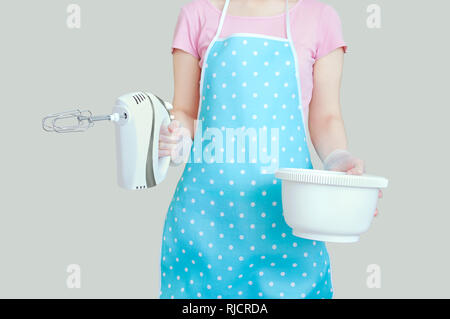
61 205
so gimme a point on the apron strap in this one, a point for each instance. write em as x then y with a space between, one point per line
288 22
222 18
224 15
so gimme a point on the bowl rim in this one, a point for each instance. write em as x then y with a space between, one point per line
321 177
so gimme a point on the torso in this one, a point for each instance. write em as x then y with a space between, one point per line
305 23
225 235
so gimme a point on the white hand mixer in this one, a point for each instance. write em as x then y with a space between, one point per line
138 118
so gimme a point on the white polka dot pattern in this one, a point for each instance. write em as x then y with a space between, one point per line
225 235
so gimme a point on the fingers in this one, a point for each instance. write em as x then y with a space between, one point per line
169 133
164 153
169 139
168 129
174 138
167 146
180 153
173 125
380 195
358 167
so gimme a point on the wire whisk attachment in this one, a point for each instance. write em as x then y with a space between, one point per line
75 121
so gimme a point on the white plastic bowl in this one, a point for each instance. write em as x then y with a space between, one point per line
329 206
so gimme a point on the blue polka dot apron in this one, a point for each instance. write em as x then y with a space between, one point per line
225 235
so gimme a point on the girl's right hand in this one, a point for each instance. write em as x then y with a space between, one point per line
175 141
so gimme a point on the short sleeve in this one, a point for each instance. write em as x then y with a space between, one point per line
187 33
329 34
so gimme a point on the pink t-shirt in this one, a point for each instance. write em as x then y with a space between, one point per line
315 27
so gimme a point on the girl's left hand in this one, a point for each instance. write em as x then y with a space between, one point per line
343 161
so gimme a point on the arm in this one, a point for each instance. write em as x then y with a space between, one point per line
325 120
186 96
175 139
326 125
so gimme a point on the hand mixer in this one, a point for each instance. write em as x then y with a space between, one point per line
138 118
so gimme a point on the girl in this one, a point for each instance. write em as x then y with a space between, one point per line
254 73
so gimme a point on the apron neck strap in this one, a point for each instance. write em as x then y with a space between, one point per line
288 21
222 18
224 15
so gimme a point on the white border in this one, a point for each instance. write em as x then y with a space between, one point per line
299 87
